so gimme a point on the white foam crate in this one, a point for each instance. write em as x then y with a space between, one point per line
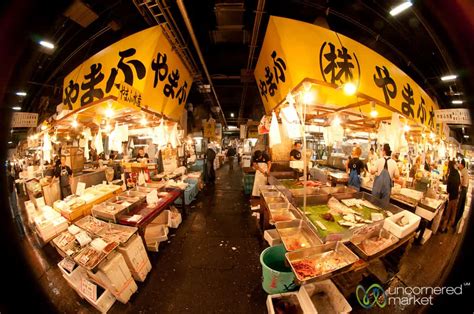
338 302
401 232
303 304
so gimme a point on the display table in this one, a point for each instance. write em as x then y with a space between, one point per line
89 177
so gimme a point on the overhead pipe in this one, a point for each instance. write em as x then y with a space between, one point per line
253 46
184 13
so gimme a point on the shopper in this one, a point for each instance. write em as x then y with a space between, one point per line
230 157
262 164
210 157
386 171
141 154
295 153
63 173
354 167
452 188
463 193
427 163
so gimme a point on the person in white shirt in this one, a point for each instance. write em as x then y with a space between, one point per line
463 192
391 164
387 171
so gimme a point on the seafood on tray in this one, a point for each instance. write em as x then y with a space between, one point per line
295 242
310 268
375 244
91 224
337 208
309 183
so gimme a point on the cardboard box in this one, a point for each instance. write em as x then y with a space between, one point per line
336 300
401 232
136 258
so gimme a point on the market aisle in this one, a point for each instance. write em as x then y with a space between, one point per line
211 265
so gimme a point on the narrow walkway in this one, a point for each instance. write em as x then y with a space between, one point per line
209 265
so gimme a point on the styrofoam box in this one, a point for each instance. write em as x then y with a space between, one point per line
337 300
136 258
272 237
424 213
162 219
426 236
152 246
175 220
113 274
156 233
271 309
74 278
103 303
401 232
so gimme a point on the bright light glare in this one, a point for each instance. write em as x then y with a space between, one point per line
231 114
406 128
43 127
349 88
109 112
466 136
308 97
46 44
74 124
336 121
143 121
374 113
16 108
10 142
21 94
400 8
457 102
432 135
449 77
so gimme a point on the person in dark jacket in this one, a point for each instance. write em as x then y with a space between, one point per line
452 188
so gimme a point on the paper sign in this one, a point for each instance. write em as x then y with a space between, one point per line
98 244
89 289
453 116
135 218
152 197
83 238
68 264
40 202
81 186
73 229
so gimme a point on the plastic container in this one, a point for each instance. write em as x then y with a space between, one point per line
323 297
272 237
401 232
248 180
277 276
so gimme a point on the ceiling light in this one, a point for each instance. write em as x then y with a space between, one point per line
400 8
466 136
432 135
308 97
46 44
336 121
17 108
449 77
457 102
231 114
406 128
43 127
319 120
74 124
373 112
68 137
109 112
349 88
10 142
20 93
143 121
348 130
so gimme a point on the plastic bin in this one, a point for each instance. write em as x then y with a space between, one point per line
248 180
277 276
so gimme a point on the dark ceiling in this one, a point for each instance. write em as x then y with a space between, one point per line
427 41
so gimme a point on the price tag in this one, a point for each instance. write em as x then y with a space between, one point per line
81 186
89 289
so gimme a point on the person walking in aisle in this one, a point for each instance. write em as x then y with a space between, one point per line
210 157
262 164
230 157
453 190
387 171
463 193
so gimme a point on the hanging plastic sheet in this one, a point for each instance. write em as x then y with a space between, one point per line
99 145
274 131
173 138
291 122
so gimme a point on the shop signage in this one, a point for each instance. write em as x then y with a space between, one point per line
24 120
144 61
218 132
294 50
209 128
453 116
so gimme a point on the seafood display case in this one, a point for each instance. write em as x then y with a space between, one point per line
320 262
297 234
372 241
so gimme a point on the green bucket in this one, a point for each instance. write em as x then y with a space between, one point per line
277 276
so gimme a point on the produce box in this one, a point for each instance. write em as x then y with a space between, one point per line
413 221
323 297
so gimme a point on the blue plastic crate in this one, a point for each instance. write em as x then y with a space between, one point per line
247 181
189 194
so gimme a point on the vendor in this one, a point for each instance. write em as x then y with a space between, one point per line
463 192
386 171
452 187
295 153
262 164
64 174
141 154
354 167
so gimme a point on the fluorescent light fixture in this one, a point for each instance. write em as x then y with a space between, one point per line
457 102
400 8
406 128
144 137
449 77
17 108
20 93
336 121
231 114
10 142
319 120
349 88
373 113
46 44
465 136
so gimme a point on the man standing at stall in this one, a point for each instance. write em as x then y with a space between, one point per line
464 185
262 164
354 167
64 173
386 171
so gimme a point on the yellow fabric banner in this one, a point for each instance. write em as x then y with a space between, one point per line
294 50
144 61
